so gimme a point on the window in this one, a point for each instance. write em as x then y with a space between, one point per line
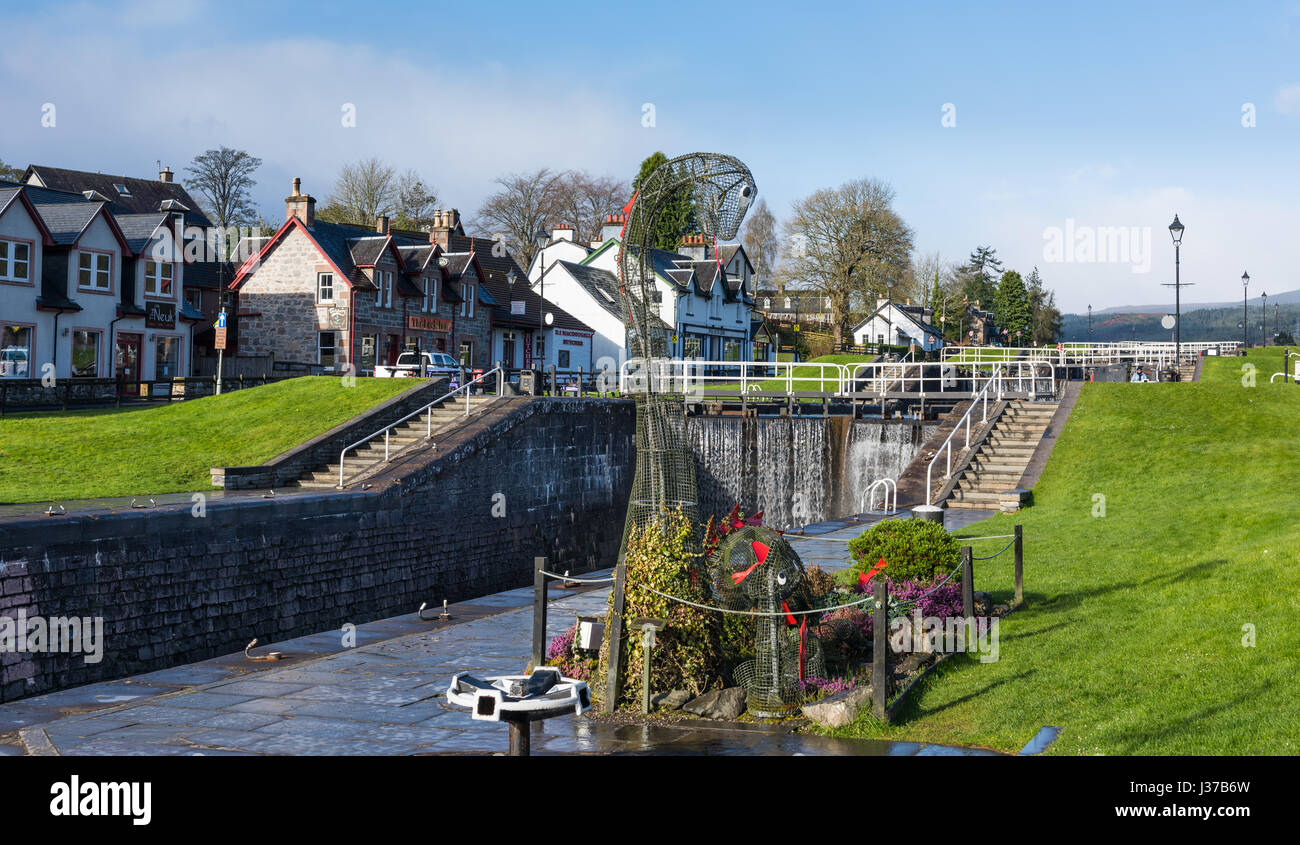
787 303
731 351
715 306
562 359
368 345
158 278
467 301
691 347
122 189
85 353
388 290
167 357
94 271
466 353
324 287
15 261
508 348
767 302
16 352
540 348
325 349
384 289
430 288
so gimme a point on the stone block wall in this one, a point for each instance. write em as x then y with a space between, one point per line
543 477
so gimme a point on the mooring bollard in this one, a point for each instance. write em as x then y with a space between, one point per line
539 616
879 655
1020 565
967 583
648 628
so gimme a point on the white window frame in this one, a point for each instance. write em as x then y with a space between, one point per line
157 279
10 258
321 287
334 346
95 271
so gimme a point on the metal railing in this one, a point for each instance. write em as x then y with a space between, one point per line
691 376
1161 353
981 399
387 430
889 485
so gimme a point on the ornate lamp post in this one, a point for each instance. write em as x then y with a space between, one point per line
542 238
1263 323
1245 318
1176 232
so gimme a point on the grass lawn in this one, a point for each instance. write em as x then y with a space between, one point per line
170 448
1132 640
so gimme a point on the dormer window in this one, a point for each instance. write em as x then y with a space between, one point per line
94 271
123 190
158 277
15 261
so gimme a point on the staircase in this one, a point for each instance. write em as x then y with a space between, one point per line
1187 371
366 459
1003 456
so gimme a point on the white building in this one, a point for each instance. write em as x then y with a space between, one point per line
899 325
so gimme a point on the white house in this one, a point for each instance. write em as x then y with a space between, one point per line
899 325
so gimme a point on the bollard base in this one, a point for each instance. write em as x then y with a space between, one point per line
929 513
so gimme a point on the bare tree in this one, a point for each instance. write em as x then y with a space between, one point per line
761 241
846 243
583 201
365 190
525 204
223 178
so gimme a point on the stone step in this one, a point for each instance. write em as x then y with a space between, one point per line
971 506
969 496
1005 466
1007 449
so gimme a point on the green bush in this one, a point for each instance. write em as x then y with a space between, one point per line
913 549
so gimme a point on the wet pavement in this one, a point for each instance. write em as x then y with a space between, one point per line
385 694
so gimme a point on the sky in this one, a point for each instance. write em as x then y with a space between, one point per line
1035 128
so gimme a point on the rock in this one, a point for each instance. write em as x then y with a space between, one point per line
670 700
1001 610
911 663
725 704
840 709
983 603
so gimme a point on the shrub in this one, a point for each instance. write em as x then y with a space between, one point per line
564 653
941 602
913 549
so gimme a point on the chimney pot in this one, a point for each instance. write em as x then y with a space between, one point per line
381 224
297 186
300 205
165 175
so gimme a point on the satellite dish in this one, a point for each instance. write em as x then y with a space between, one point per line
1168 321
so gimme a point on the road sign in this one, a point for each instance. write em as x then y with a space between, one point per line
221 320
220 342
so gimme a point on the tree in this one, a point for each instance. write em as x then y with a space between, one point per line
525 204
761 242
1011 309
1045 319
12 174
416 202
224 179
365 190
583 201
677 215
844 243
979 276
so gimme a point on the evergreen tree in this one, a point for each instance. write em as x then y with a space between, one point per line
677 217
979 276
1044 316
1011 309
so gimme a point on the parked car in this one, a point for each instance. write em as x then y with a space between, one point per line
15 362
419 365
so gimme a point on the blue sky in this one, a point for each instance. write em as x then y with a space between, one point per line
1104 114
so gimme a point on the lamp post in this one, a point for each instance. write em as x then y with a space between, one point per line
1176 232
1245 318
1090 326
1263 322
542 238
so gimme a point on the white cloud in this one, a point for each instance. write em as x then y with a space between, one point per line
1287 99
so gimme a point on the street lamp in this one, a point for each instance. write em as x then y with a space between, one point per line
1263 323
542 238
1245 318
1176 232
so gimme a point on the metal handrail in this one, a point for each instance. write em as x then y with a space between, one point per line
683 375
387 430
888 484
965 418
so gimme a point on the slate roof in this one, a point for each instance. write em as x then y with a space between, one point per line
601 285
138 229
66 220
210 274
366 250
146 195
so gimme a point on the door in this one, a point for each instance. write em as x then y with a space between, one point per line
126 361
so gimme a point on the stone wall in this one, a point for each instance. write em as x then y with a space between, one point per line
278 313
536 477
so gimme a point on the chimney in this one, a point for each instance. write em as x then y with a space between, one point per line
381 224
300 205
165 175
445 224
694 247
613 226
562 233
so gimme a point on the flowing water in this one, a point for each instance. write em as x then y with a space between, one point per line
798 470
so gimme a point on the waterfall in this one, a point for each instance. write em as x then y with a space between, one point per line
797 470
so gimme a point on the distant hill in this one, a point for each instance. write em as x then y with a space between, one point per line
1288 298
1203 323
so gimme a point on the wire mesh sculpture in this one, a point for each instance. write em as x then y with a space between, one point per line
721 189
755 569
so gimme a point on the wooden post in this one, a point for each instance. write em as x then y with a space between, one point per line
614 630
539 613
967 583
1020 565
879 653
520 739
646 648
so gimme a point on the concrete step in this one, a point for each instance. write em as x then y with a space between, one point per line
969 496
1005 466
971 506
1007 449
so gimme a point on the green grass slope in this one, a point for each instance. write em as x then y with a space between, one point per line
1132 640
170 448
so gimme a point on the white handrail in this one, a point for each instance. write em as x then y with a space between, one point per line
965 418
888 484
684 375
428 433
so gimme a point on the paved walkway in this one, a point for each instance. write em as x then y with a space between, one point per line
383 696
